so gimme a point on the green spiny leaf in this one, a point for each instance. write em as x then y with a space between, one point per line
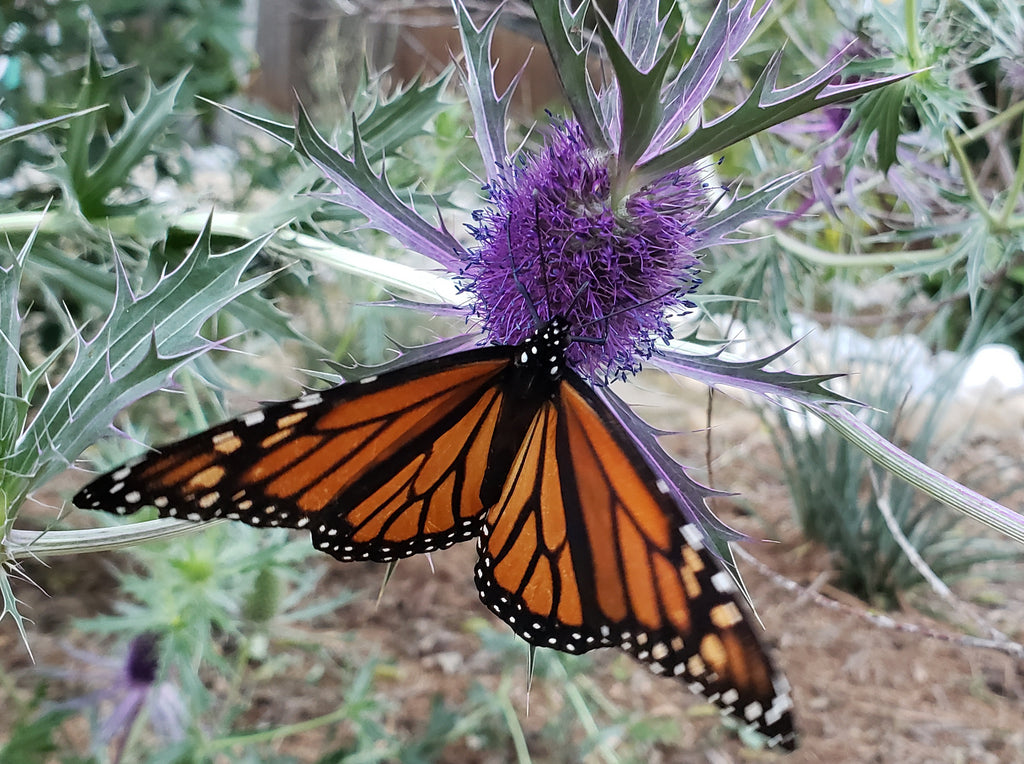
383 129
765 107
879 112
562 33
94 93
720 227
14 133
361 189
489 110
10 600
125 149
714 371
641 109
144 339
279 130
13 407
11 269
401 117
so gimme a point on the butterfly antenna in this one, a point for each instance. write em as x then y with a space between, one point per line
388 571
515 277
620 311
725 191
540 254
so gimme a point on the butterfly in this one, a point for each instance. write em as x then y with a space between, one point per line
580 544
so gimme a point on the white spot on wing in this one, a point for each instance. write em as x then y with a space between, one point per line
306 401
722 582
253 418
693 536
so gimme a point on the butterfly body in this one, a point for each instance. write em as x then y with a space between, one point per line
580 543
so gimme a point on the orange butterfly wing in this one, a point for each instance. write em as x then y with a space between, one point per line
579 545
379 469
583 550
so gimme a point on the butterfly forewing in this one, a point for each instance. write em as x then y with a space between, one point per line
380 469
584 550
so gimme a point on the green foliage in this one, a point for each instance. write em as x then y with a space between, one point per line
33 731
902 186
97 165
45 43
580 724
837 491
144 339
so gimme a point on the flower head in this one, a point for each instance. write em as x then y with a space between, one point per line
556 241
131 685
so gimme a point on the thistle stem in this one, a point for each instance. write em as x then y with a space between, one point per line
913 41
921 476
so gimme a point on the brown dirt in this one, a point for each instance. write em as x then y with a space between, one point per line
862 693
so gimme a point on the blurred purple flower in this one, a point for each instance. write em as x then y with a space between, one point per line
825 133
131 685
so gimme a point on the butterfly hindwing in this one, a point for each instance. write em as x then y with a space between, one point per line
584 550
380 469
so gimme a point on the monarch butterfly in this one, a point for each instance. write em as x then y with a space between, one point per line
580 544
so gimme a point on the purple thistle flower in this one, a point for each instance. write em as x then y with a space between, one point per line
557 241
131 685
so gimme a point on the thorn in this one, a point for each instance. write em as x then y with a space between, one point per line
387 577
529 675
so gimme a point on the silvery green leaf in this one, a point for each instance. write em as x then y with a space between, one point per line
10 600
932 482
489 109
20 544
726 32
144 338
641 110
93 180
361 189
721 227
13 407
639 30
715 370
20 131
766 106
563 33
280 131
383 127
